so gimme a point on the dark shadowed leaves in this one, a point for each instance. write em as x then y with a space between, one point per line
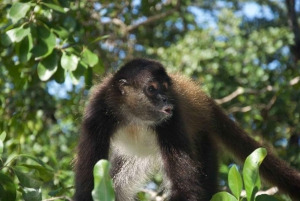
7 188
46 42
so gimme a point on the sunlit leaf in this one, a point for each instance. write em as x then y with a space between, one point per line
235 181
69 61
103 186
78 73
18 11
251 172
17 34
48 66
1 147
54 7
3 136
32 194
89 57
223 196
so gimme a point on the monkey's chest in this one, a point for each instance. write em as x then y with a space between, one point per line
135 140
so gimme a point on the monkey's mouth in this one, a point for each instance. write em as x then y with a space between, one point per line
168 110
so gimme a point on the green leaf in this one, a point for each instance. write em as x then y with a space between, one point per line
1 147
265 197
69 62
235 181
99 68
54 7
24 49
251 172
75 75
88 77
32 194
17 34
18 11
3 136
103 186
27 180
89 57
56 192
5 40
223 196
61 32
8 189
36 160
46 42
43 173
48 66
60 74
69 24
99 38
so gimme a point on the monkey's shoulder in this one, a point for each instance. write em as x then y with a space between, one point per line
194 104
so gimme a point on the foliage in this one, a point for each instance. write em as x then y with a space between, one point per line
251 180
242 52
103 186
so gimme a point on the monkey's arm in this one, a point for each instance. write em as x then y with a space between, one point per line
274 170
97 128
182 171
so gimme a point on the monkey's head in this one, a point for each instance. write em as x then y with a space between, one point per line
144 87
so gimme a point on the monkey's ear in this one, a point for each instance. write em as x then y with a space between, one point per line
122 83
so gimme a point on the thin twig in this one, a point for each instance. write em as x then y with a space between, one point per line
59 197
241 90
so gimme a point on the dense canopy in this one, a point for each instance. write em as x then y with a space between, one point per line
245 54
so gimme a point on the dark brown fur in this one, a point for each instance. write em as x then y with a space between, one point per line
187 140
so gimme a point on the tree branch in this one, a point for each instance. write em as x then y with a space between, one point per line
150 20
294 81
293 23
270 191
241 90
239 109
238 91
128 28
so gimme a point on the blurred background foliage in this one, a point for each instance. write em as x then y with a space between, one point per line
244 53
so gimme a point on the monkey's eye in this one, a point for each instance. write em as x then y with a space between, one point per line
151 89
165 86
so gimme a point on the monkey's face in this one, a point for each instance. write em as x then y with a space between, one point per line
146 100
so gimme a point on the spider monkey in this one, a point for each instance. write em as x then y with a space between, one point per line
144 120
